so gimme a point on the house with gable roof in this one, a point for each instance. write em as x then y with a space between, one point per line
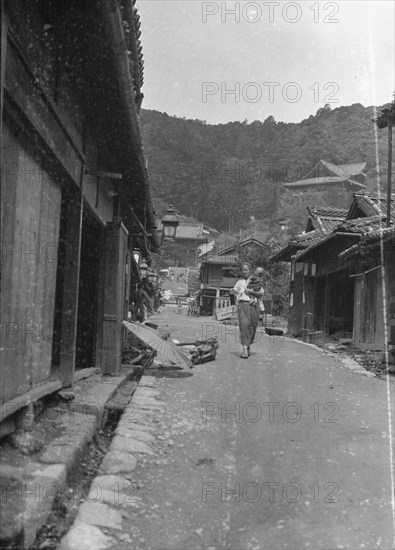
218 271
342 275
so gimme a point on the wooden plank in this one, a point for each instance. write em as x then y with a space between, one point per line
46 270
85 373
114 295
13 405
30 215
225 312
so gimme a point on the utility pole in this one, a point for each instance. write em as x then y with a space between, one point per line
389 124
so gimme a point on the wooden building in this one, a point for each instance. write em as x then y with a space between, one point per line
333 182
75 192
219 271
256 246
374 290
218 274
336 285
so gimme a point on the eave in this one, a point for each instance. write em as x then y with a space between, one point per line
127 145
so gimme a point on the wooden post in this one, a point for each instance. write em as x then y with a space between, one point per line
389 123
325 305
109 357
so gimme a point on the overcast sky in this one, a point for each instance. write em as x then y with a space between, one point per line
285 59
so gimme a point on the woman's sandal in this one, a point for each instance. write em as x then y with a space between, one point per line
244 355
248 351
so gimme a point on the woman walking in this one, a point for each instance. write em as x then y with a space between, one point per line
247 310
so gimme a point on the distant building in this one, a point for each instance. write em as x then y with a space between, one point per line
191 234
258 244
219 271
337 182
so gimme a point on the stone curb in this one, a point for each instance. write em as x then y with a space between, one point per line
99 522
45 476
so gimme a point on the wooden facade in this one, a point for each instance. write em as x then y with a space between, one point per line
320 290
374 294
217 277
73 185
343 282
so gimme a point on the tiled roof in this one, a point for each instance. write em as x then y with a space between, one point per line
327 225
314 181
362 225
323 180
383 234
325 218
300 242
260 236
309 238
359 226
229 259
328 212
386 234
328 222
346 170
337 174
370 205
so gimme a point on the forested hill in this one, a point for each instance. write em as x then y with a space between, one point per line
222 174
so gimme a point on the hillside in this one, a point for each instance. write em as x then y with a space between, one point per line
223 174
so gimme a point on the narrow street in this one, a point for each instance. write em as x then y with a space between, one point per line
288 449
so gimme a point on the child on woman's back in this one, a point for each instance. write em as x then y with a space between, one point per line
256 283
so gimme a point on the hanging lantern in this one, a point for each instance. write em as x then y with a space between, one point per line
136 255
169 224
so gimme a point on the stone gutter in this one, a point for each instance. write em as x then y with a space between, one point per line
30 484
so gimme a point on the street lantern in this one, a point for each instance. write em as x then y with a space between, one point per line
143 267
169 224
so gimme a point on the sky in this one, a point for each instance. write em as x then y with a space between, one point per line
229 61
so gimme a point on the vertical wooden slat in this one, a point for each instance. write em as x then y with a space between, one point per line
30 217
70 288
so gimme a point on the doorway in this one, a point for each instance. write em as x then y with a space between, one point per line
88 292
